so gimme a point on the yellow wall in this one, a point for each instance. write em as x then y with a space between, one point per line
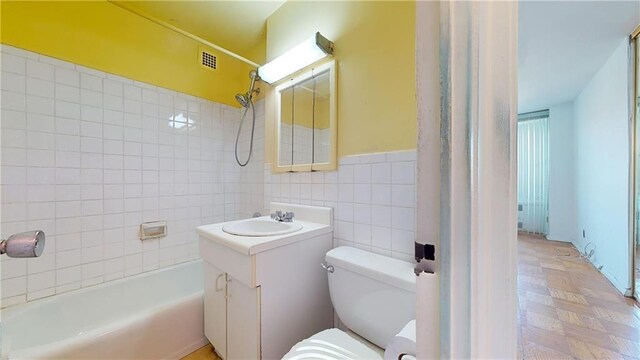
103 36
375 52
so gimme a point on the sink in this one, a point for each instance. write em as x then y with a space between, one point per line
261 227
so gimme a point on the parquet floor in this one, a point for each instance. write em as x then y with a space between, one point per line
569 310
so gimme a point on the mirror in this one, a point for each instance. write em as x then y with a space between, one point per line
307 121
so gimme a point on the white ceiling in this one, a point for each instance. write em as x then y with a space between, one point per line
562 44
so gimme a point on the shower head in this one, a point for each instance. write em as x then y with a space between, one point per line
244 100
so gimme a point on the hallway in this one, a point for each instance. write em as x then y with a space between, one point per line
567 309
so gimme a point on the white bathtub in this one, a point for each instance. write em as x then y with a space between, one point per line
156 315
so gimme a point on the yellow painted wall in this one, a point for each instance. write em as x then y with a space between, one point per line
103 36
375 52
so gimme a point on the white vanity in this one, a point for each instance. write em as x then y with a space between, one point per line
264 292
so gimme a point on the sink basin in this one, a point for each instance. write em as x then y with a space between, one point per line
261 227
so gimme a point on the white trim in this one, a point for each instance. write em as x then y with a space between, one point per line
428 180
552 237
633 87
477 174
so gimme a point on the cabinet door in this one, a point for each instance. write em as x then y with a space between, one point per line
243 320
215 308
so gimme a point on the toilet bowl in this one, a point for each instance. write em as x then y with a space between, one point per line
373 296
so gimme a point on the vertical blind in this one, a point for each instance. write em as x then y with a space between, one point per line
533 172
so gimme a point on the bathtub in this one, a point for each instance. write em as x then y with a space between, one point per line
155 315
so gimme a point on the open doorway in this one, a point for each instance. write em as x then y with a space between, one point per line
574 220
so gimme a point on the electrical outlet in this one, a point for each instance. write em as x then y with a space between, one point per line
584 234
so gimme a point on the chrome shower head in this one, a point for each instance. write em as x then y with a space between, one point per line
244 100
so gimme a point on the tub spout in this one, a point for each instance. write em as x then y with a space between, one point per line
23 245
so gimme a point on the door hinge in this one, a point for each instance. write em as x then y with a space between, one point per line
425 251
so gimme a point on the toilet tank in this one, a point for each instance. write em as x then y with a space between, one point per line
373 295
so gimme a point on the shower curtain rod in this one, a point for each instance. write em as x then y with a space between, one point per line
184 33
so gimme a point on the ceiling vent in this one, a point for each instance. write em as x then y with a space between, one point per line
208 60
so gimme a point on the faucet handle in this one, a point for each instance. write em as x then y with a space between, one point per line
277 216
288 216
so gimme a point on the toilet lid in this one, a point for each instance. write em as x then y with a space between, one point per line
333 344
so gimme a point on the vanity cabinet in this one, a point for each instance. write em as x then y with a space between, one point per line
231 311
262 296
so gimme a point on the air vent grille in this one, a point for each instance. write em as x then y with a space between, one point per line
209 60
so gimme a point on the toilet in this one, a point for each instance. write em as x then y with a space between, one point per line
373 295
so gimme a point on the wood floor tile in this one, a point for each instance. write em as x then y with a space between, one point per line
536 351
626 346
562 283
575 307
204 353
532 306
580 320
540 298
531 280
553 265
613 315
544 290
568 296
619 305
621 330
602 295
589 336
544 322
554 272
585 351
549 339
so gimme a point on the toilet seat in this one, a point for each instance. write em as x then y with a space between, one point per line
334 344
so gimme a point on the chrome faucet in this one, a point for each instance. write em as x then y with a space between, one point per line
282 217
24 245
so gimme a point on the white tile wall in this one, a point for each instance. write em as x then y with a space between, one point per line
374 197
244 186
302 142
87 156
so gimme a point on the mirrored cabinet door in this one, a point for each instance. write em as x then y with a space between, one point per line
303 116
285 138
307 121
322 118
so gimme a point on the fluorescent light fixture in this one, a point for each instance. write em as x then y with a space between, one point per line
301 56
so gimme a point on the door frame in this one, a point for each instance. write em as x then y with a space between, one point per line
634 42
467 114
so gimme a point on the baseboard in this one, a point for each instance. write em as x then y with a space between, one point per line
612 279
557 238
622 288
